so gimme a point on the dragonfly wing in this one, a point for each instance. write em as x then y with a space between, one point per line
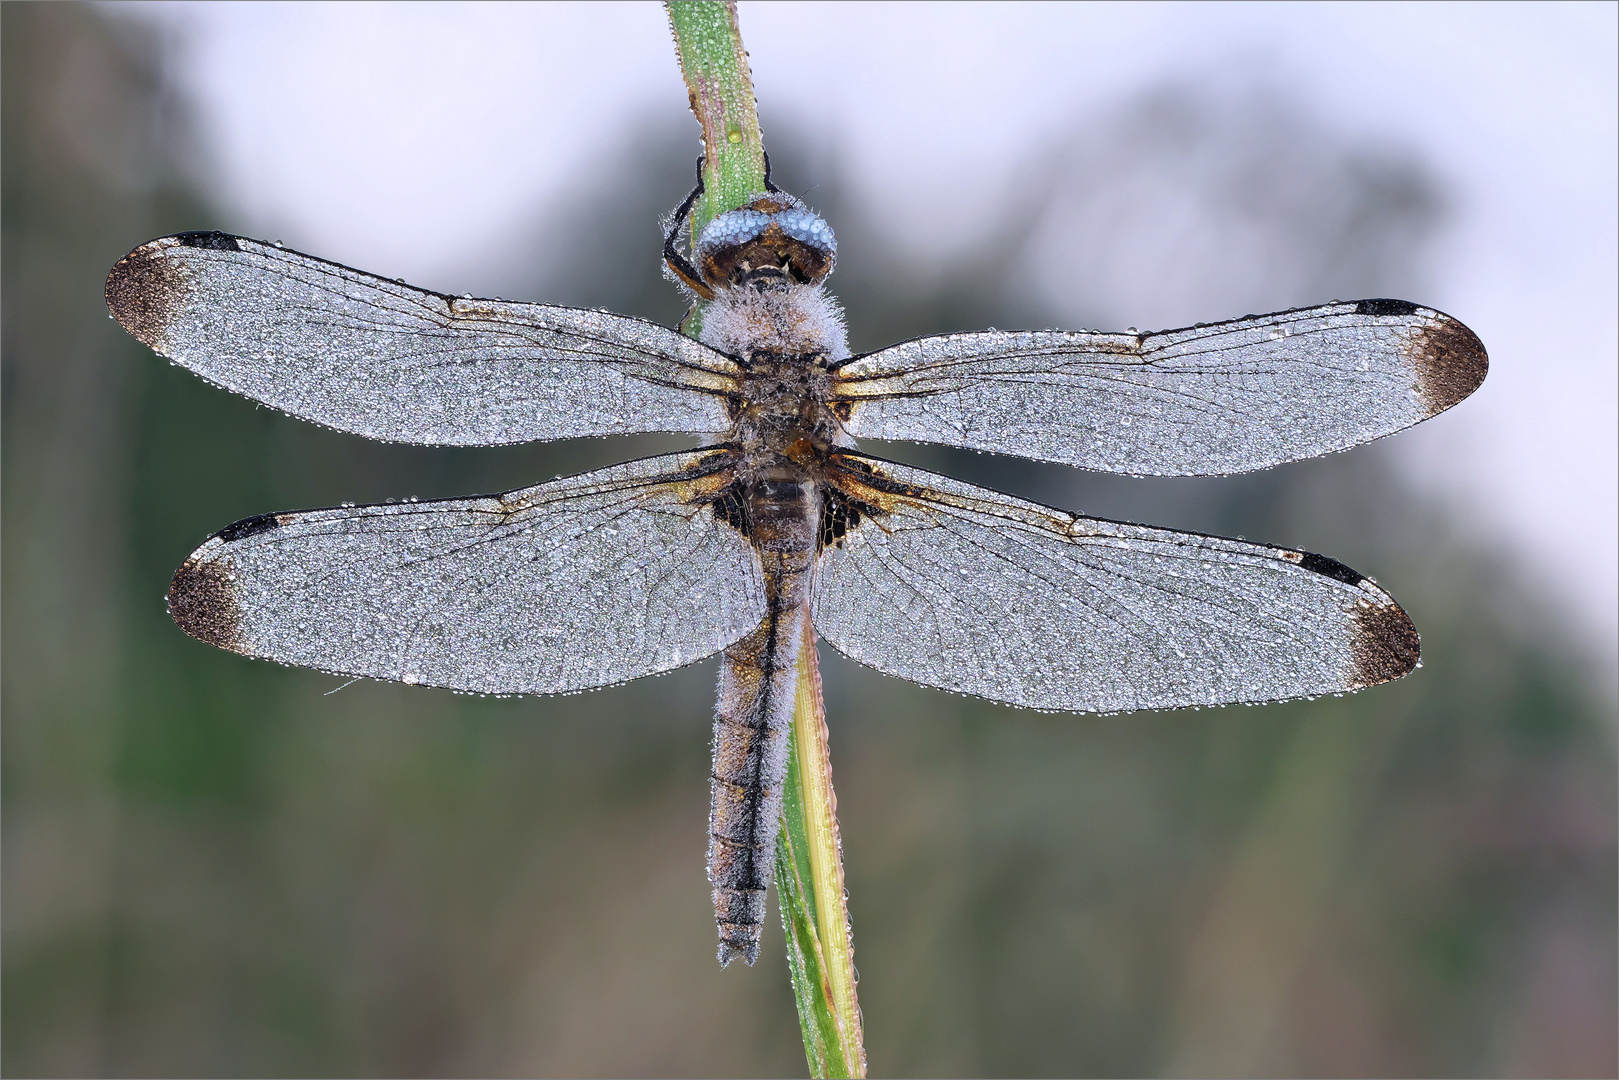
379 358
577 583
1221 398
954 586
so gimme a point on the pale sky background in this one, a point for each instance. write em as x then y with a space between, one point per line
407 139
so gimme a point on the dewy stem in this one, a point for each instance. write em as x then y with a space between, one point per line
809 855
812 774
720 89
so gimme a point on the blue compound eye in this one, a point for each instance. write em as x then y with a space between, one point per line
736 227
808 227
732 228
772 242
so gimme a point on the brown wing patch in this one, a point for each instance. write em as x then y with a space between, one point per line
1386 645
857 491
710 481
1450 363
873 489
840 514
143 291
730 508
202 602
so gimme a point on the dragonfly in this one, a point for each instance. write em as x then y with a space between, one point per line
778 530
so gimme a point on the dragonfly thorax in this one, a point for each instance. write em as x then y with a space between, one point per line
785 337
782 422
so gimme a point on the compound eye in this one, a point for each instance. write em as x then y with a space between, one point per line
730 230
809 229
773 233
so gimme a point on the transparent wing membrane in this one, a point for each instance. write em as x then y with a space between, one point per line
379 358
577 583
1221 398
961 588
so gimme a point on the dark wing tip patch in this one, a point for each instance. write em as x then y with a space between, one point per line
202 602
1332 568
1386 645
213 241
143 291
1450 363
250 526
1385 307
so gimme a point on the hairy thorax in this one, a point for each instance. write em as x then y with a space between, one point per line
787 336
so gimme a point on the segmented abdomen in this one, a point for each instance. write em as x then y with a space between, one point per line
756 699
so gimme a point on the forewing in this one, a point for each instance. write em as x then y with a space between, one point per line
1221 398
961 588
379 358
577 583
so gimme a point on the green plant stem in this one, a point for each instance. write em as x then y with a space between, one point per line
809 875
720 88
809 855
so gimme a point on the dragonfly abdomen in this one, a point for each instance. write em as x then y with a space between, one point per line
757 693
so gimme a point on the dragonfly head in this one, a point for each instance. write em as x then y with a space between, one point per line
774 241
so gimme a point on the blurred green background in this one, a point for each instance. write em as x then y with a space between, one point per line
220 867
